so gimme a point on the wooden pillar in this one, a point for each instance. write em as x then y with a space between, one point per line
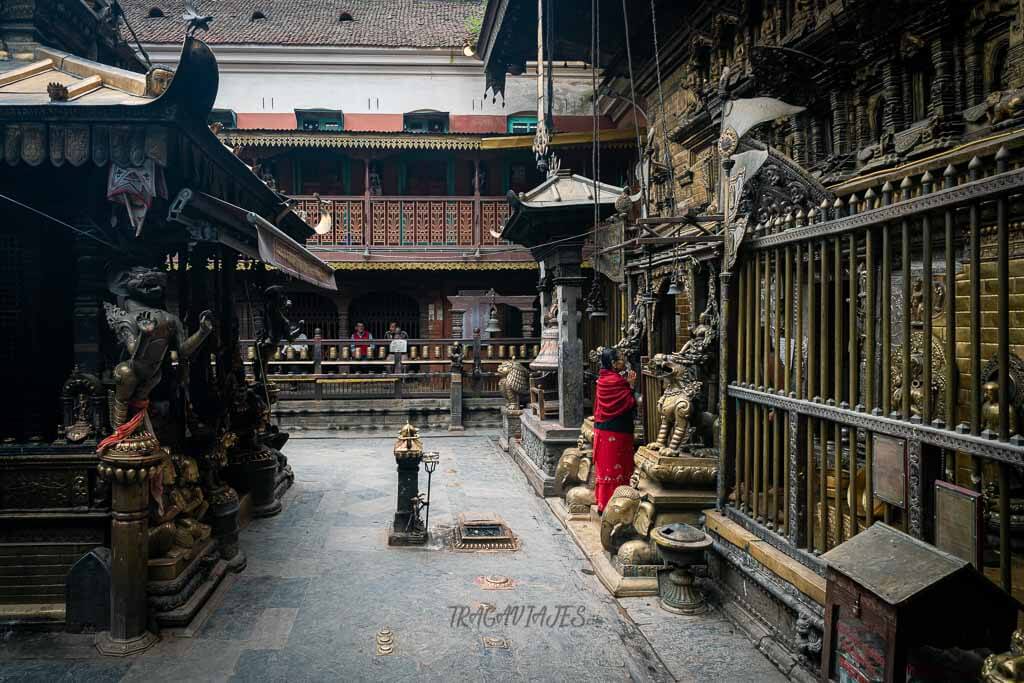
367 214
477 213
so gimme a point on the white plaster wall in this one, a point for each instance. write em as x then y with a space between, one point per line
280 79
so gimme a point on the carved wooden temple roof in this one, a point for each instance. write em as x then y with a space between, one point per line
61 109
561 205
87 83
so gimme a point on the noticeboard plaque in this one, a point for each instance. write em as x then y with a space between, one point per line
889 471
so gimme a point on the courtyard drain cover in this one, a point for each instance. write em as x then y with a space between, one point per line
483 532
495 582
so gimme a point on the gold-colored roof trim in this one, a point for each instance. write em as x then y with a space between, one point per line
435 265
349 140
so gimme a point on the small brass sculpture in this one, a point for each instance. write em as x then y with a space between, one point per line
1007 667
514 383
575 471
276 326
676 404
408 444
178 506
146 332
627 517
990 409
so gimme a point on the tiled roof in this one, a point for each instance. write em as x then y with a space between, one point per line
377 23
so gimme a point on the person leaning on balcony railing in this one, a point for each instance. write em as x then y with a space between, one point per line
395 332
361 334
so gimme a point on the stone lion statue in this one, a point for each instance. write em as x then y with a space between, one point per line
676 405
514 383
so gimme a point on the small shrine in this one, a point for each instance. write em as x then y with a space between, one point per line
552 221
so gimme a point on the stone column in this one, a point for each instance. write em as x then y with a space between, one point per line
129 466
568 284
455 424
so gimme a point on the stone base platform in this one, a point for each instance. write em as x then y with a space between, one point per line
175 602
538 452
765 592
385 414
622 582
406 538
511 428
678 505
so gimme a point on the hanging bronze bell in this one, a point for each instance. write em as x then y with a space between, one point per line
493 327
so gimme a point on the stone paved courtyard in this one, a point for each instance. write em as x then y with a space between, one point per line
321 582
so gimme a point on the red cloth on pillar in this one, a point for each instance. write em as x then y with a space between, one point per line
613 445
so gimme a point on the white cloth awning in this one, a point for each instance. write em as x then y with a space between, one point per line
250 234
281 251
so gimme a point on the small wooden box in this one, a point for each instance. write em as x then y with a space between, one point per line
889 594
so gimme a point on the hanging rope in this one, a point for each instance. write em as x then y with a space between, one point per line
595 158
636 122
661 105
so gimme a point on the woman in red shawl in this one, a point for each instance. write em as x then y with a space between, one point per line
614 406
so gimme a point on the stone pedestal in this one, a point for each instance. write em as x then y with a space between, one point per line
406 528
261 467
537 454
223 519
679 486
511 428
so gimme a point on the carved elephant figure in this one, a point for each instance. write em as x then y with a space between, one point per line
627 517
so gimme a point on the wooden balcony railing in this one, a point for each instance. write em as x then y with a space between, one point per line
406 221
332 369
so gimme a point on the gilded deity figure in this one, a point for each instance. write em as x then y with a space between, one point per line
1007 667
146 332
990 416
178 507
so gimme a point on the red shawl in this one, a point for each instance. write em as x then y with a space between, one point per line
614 396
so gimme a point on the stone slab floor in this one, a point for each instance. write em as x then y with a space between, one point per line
321 582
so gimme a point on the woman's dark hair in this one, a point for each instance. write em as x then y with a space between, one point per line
608 357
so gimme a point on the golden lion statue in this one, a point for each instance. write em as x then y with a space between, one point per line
514 382
676 404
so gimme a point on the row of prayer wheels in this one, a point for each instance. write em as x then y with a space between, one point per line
416 352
